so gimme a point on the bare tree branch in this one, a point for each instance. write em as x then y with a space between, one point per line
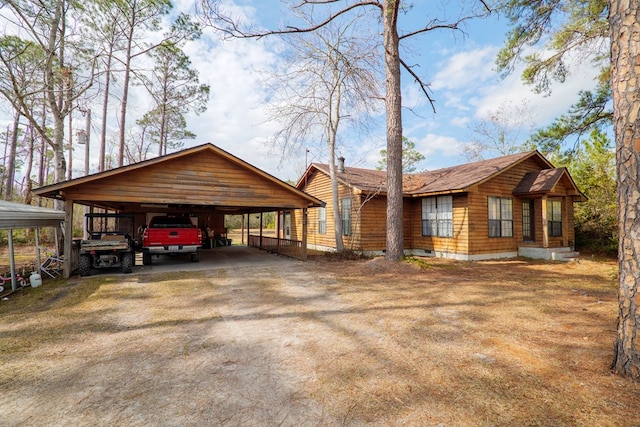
231 28
423 86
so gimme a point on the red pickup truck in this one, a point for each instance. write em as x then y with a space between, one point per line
171 235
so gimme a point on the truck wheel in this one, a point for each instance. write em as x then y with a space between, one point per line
127 262
195 257
146 258
84 265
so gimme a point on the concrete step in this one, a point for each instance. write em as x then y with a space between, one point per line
564 254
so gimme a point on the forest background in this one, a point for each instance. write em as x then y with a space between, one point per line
115 80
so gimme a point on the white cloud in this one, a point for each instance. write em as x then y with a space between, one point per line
465 86
460 121
435 146
236 119
466 70
467 89
544 108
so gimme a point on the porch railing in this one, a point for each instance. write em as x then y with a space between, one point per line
288 247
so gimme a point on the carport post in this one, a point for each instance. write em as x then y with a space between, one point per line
12 262
38 255
68 238
248 228
242 230
305 212
260 229
278 231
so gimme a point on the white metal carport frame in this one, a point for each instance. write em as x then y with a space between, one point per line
15 216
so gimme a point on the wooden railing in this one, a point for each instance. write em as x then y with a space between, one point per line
288 247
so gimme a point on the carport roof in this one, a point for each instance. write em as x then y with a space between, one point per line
17 215
204 177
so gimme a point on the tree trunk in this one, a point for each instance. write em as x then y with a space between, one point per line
163 129
11 158
58 148
625 51
55 93
105 107
42 168
28 196
125 95
70 161
337 218
332 134
393 101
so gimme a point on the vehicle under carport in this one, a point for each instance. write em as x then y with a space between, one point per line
204 182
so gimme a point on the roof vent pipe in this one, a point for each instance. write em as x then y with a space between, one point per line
341 164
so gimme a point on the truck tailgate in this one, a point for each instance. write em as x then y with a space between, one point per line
173 237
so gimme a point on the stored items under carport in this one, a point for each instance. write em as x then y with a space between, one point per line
171 235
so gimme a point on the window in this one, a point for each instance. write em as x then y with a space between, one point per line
345 212
322 221
554 217
500 217
437 216
527 221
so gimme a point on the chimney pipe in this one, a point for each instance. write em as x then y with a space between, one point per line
341 164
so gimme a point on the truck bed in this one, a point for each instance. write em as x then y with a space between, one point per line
115 242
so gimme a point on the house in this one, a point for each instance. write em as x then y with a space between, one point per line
515 205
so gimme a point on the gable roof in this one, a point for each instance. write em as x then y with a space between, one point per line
545 181
460 178
454 179
366 180
193 175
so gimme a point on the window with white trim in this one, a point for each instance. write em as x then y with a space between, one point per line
345 212
322 220
500 216
554 218
437 216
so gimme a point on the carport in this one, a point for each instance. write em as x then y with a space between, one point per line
205 182
15 215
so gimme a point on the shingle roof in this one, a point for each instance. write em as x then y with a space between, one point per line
452 179
461 177
367 180
539 181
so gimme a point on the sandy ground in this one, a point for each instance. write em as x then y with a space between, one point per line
282 342
209 351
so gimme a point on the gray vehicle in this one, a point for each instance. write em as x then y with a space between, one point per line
110 243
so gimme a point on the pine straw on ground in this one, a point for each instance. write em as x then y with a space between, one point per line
343 342
487 343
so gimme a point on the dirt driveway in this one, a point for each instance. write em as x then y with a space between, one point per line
318 343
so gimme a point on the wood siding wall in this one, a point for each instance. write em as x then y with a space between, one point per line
201 178
319 185
503 186
368 218
470 218
457 244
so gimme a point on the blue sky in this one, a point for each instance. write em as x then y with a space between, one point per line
459 68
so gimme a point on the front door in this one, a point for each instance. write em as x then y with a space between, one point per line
528 232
